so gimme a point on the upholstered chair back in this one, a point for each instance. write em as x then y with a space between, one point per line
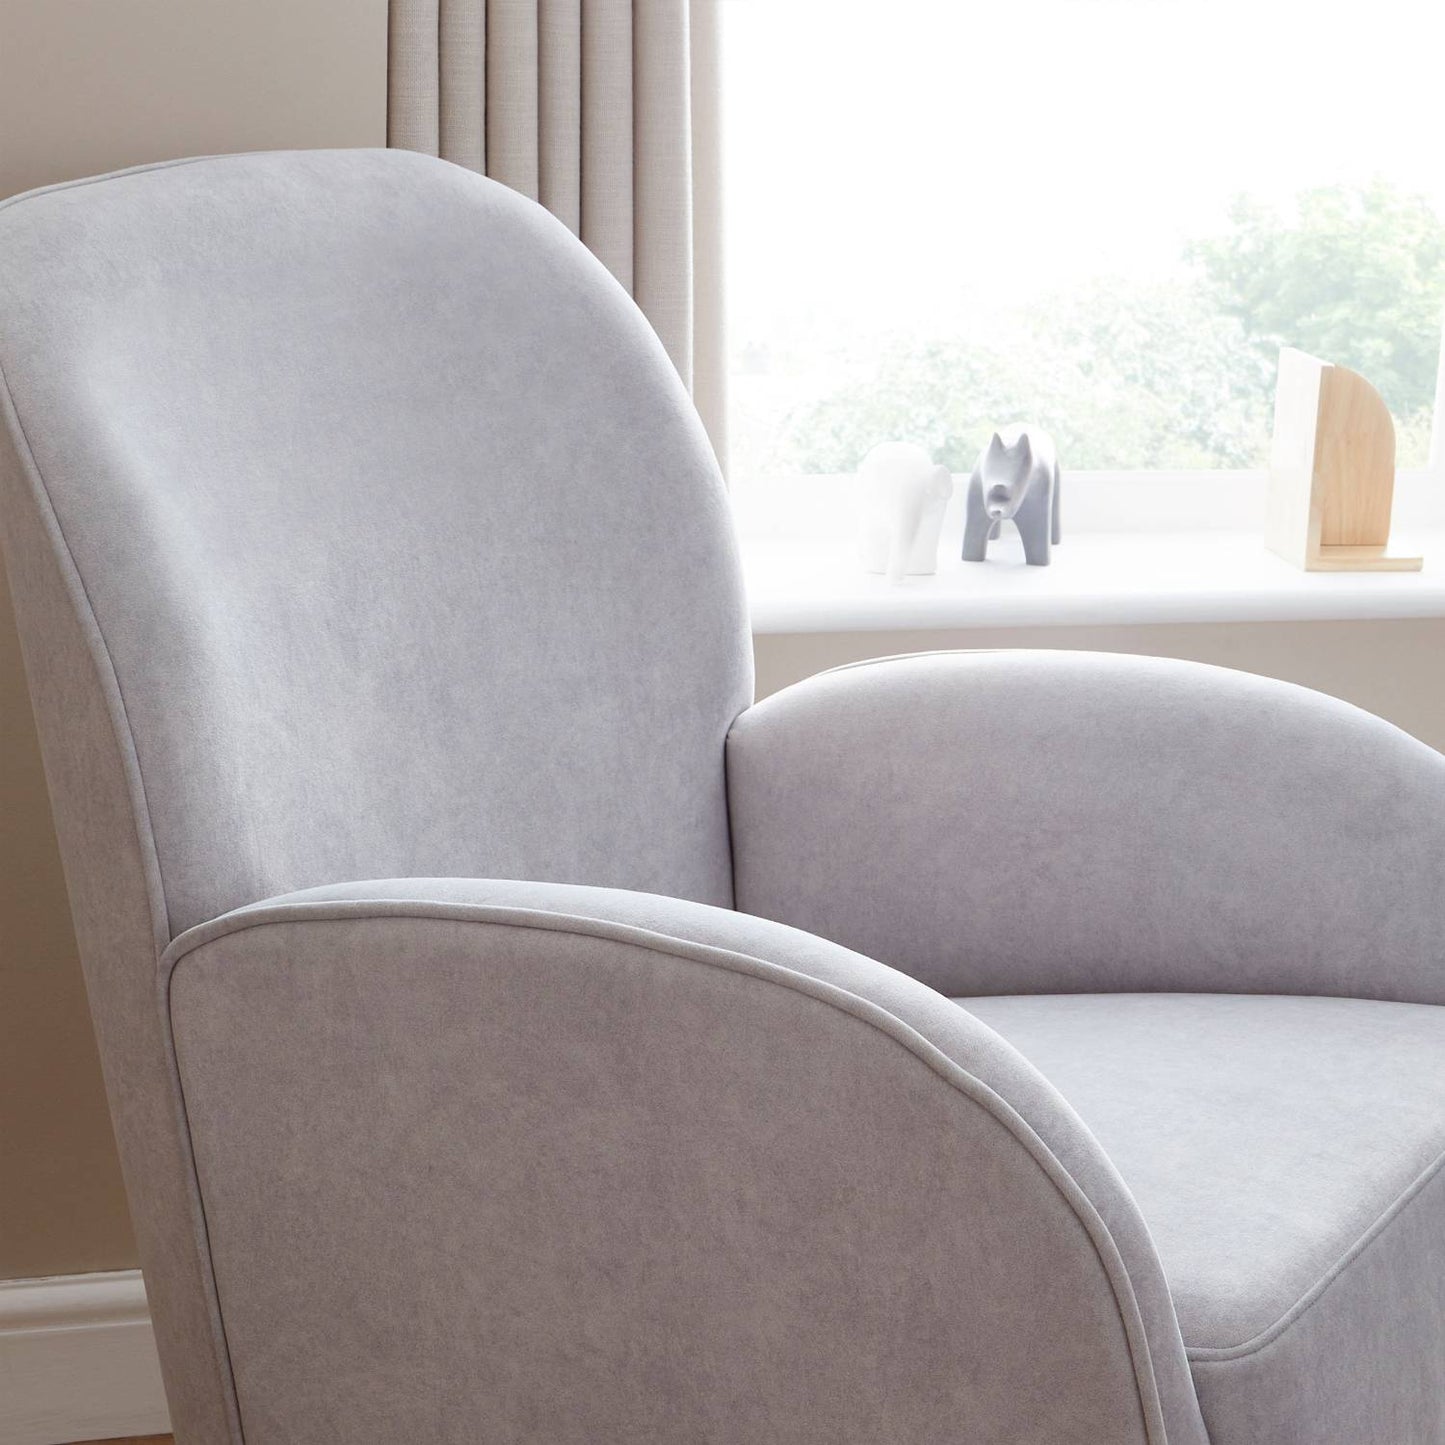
358 527
397 532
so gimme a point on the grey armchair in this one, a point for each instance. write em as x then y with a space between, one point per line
969 1048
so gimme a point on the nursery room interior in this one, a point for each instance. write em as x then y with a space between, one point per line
721 721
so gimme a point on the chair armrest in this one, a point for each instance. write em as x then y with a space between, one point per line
1036 822
596 1165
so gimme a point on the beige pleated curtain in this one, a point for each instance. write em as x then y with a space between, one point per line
605 111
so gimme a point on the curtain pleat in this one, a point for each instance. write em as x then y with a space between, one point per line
607 134
606 111
462 82
662 176
512 94
559 109
412 114
709 328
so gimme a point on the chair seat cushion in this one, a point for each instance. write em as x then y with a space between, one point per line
1287 1156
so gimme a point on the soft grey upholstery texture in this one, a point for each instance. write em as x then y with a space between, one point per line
993 823
357 524
1287 1156
359 528
402 442
616 1109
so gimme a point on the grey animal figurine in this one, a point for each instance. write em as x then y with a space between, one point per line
1015 478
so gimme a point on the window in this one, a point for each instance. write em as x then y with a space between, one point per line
1102 216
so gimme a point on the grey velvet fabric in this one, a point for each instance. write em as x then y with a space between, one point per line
588 1165
1288 1156
355 523
1021 822
404 539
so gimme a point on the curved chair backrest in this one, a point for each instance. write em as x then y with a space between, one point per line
358 526
399 531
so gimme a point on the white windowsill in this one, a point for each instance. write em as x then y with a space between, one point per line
1096 579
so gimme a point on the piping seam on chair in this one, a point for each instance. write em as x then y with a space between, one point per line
950 1071
82 181
1224 1354
728 820
909 656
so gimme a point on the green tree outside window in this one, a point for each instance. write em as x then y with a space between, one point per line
1173 373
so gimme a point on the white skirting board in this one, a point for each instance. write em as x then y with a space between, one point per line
78 1360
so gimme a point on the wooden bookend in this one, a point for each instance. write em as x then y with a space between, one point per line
1331 470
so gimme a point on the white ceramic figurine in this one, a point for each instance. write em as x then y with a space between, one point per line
902 496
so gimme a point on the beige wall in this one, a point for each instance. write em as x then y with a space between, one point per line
62 1210
89 86
93 85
